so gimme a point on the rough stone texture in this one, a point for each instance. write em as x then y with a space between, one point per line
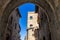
50 7
32 25
13 27
58 28
3 4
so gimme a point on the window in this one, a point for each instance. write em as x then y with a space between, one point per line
7 37
15 25
31 25
9 29
43 37
11 19
31 17
50 35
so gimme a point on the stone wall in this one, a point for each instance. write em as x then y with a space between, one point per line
51 7
13 27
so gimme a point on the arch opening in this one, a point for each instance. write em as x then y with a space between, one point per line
9 11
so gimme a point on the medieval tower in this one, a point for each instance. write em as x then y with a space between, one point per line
32 25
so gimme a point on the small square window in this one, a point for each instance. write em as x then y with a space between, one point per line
31 25
31 17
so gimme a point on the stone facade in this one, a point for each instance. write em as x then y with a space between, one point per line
44 31
13 27
32 25
50 7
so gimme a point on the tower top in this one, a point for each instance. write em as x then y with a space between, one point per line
32 20
32 12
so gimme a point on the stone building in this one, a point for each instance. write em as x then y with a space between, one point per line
51 8
13 27
43 33
32 25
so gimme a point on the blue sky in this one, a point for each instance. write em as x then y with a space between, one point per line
23 9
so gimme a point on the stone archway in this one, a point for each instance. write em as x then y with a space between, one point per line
47 5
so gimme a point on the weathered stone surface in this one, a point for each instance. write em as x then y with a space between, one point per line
49 6
13 27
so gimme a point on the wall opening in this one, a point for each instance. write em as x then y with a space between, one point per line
24 9
43 38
